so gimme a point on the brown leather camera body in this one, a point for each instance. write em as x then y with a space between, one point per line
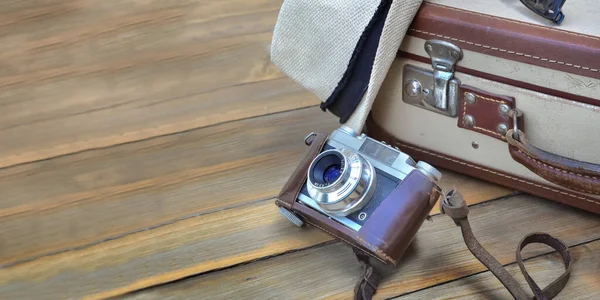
389 231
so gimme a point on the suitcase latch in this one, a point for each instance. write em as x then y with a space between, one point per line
436 89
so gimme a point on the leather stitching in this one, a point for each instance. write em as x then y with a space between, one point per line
376 249
572 188
557 169
509 51
575 189
489 131
514 21
335 235
500 174
488 99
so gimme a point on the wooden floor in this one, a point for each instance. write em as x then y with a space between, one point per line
142 143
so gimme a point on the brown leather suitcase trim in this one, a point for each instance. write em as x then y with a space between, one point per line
492 175
528 43
504 80
484 111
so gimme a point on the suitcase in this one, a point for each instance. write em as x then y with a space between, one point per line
487 88
485 62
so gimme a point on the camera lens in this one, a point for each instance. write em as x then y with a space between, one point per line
327 169
340 181
331 174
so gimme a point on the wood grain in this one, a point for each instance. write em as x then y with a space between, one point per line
176 249
213 241
91 196
180 249
95 195
77 75
437 255
584 282
139 186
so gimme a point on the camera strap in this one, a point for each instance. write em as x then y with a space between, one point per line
453 205
367 285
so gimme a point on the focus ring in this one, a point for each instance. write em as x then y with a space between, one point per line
350 191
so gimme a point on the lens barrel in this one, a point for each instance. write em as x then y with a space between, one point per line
341 181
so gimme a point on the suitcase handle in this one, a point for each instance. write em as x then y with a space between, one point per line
564 171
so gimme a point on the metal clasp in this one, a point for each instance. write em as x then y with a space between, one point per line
438 90
444 56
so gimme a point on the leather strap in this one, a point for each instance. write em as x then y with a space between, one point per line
367 284
454 205
570 173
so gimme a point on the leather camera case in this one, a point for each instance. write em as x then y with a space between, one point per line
389 231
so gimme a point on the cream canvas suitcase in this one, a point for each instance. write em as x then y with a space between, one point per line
510 61
442 80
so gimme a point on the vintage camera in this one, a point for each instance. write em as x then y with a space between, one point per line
362 191
354 174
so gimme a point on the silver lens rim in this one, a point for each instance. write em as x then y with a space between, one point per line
351 191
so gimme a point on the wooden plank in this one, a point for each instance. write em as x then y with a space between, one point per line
584 282
77 75
437 255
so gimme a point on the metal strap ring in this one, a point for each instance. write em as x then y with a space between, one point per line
515 114
308 140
